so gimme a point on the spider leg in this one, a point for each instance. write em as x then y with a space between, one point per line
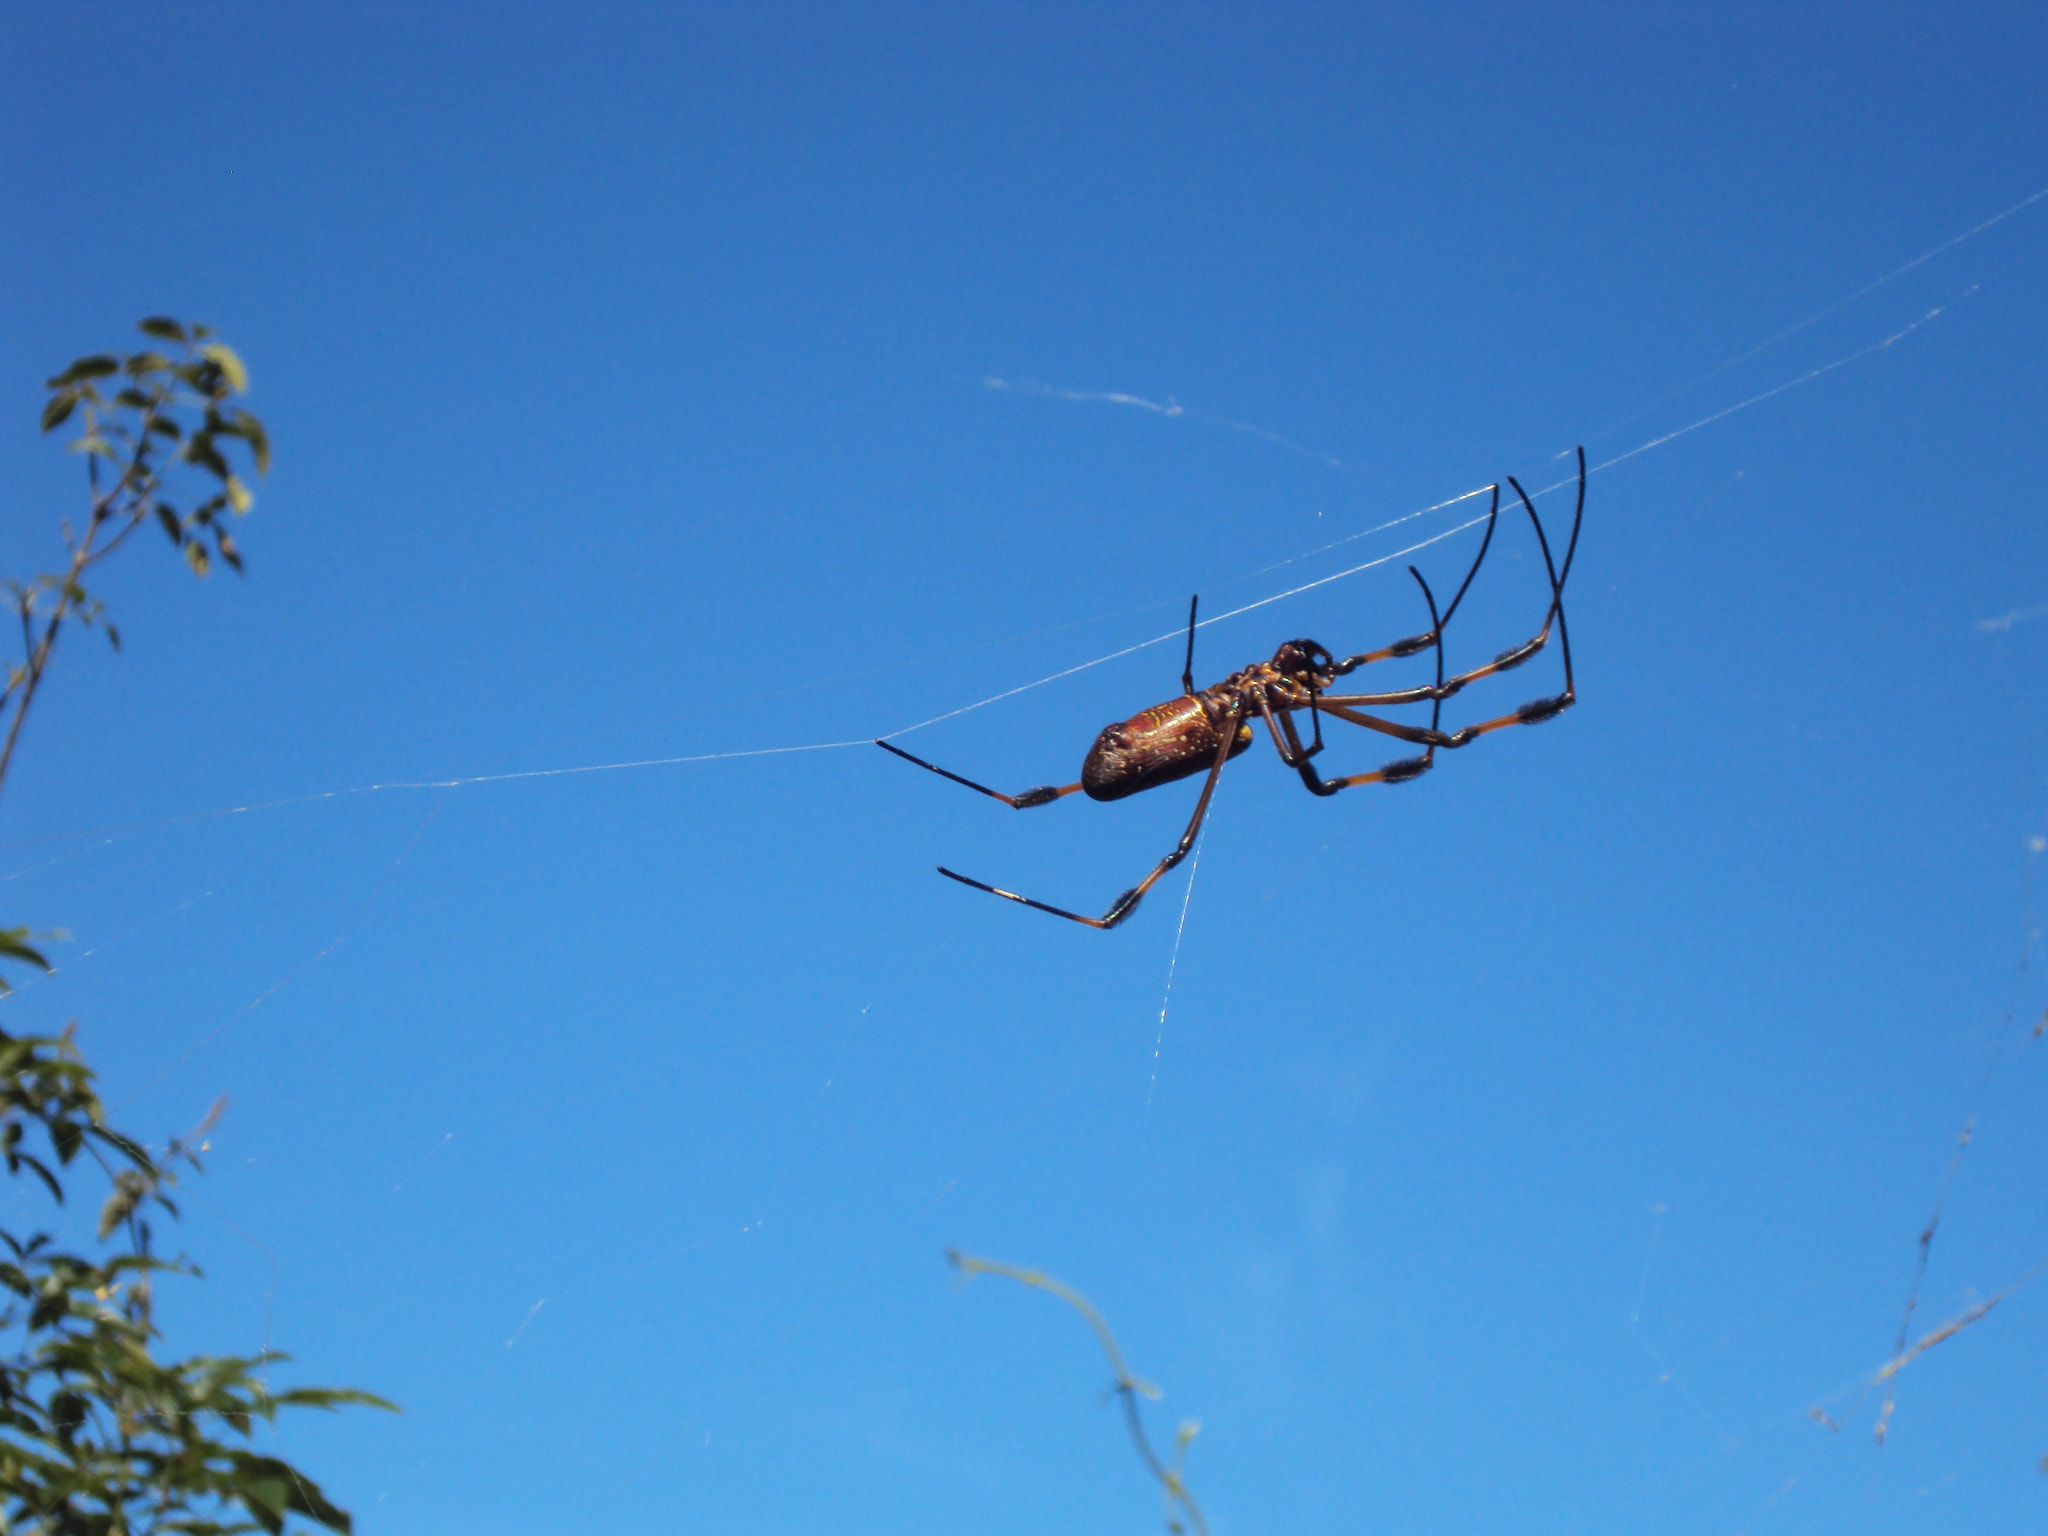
1045 794
1515 655
1187 671
1422 736
1536 711
1436 625
1125 904
1506 661
1291 751
1415 644
1395 772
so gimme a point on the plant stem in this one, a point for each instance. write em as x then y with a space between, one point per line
40 657
137 485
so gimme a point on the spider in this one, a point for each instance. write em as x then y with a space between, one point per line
1202 730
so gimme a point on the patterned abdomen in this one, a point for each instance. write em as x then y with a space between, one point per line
1155 746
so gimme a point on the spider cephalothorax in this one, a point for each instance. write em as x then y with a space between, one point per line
1203 729
1306 663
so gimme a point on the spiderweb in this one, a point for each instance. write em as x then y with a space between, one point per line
384 855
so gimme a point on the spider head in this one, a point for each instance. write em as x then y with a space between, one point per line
1305 662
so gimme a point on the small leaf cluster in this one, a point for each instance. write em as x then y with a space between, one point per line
159 428
97 1436
147 424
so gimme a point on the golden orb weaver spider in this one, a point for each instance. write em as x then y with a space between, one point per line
1204 729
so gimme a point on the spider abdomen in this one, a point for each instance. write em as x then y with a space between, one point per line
1156 746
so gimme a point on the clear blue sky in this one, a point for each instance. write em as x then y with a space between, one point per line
1524 1149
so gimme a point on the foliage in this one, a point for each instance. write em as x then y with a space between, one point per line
166 413
14 945
98 1437
1128 1388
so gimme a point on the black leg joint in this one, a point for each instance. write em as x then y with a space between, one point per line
1045 794
1404 770
1538 710
1314 780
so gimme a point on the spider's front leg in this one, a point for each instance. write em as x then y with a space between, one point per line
1536 711
1297 757
1415 645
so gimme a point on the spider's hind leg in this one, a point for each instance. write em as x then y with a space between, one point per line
1127 903
1044 794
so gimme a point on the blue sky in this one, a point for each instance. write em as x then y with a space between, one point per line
1530 1147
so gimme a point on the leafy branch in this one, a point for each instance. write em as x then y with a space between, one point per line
158 413
1127 1387
98 1437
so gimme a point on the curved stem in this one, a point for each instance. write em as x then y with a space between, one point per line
1127 1386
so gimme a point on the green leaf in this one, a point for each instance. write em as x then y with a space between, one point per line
333 1397
308 1500
200 450
14 945
247 427
195 556
269 1488
59 410
167 517
163 327
95 367
35 1166
67 1413
145 362
130 1189
264 1498
238 496
223 357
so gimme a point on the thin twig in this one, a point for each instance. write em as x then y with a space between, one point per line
1128 1387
